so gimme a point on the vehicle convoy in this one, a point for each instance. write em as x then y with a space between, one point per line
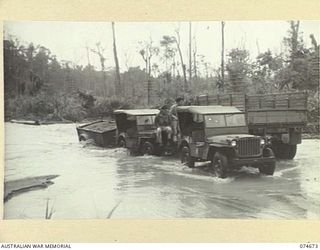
280 117
220 134
207 133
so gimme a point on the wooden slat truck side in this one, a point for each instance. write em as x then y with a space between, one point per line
279 116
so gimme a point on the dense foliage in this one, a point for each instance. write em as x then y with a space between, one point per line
39 86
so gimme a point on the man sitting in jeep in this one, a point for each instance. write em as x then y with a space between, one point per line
163 122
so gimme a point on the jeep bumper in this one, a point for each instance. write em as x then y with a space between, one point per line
253 162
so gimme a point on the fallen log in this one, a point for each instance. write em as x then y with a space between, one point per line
26 122
14 187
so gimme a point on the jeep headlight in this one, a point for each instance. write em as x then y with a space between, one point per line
262 142
233 143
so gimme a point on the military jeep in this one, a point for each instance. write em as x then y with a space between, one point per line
220 134
136 130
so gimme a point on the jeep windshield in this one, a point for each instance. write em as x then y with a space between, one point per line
145 120
225 120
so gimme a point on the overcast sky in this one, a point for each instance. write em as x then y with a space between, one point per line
68 40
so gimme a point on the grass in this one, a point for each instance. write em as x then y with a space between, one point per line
49 214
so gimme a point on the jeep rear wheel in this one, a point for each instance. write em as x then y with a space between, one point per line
186 158
147 148
122 142
220 165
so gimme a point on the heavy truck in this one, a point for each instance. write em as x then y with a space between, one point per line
278 117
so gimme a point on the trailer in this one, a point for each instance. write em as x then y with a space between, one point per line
281 116
102 133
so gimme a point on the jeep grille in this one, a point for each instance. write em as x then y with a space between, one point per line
249 147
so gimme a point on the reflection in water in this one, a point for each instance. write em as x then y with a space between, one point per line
93 181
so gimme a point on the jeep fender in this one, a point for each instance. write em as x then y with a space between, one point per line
210 150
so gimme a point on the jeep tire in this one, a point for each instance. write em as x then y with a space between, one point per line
186 158
220 164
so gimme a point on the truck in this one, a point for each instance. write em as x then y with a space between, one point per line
280 117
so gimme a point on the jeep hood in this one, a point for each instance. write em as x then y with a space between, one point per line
224 139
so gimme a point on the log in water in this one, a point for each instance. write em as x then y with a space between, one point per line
15 187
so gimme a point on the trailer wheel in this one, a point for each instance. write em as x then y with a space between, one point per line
220 165
186 158
147 148
83 137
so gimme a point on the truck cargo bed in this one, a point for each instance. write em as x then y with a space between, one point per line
281 109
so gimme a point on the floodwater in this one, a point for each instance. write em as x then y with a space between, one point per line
94 181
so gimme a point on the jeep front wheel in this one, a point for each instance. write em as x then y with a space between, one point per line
186 158
267 168
220 165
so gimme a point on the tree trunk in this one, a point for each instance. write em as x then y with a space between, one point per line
222 53
190 54
118 86
183 66
195 57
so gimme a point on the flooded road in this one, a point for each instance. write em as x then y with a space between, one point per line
92 181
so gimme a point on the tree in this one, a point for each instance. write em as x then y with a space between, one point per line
222 54
296 74
169 53
183 66
194 53
100 51
147 51
265 68
190 53
239 69
118 86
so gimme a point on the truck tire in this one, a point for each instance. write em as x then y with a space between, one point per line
186 158
285 151
290 151
220 165
147 148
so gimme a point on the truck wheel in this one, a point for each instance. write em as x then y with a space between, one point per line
186 158
122 143
147 148
268 168
291 151
220 165
285 151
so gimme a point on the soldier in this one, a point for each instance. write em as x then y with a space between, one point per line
163 122
174 117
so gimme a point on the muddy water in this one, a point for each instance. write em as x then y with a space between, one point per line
92 181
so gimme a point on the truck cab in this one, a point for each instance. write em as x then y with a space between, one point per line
219 134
